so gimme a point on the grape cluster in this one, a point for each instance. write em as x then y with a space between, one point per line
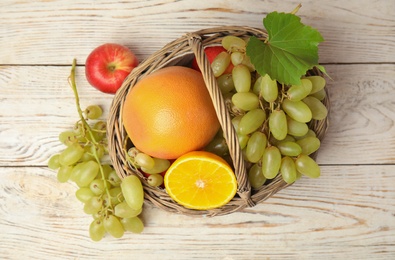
115 205
270 119
153 168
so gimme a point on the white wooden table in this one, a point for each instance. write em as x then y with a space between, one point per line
348 213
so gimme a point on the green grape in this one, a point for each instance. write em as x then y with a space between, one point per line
309 144
245 100
220 63
288 148
318 109
100 126
96 230
99 215
257 86
64 173
87 173
84 194
236 123
307 166
297 110
320 94
274 141
318 83
90 150
288 170
87 156
243 140
133 151
269 89
93 136
225 83
237 58
247 62
71 154
116 195
233 43
217 146
114 179
76 171
296 128
93 205
107 168
99 186
100 151
80 130
241 78
122 210
309 133
133 192
299 92
271 162
113 226
251 121
134 225
144 160
93 112
298 175
68 137
278 124
160 165
53 162
155 180
115 198
233 109
256 146
255 176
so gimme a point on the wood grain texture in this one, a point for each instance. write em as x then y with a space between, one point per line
348 213
327 218
52 32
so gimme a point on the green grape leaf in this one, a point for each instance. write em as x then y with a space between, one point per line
290 50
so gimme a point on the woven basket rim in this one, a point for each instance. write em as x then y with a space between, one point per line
177 52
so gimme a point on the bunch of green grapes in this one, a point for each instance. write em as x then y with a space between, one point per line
115 205
270 119
153 168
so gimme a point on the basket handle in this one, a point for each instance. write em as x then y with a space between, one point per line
244 187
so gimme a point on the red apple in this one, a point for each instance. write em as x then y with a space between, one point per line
211 53
108 65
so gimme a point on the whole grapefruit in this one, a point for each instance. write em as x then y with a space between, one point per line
169 113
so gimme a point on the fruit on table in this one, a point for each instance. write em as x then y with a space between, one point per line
200 180
169 113
82 162
271 119
108 65
132 191
211 53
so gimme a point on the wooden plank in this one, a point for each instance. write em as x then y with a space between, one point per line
346 214
361 129
42 105
53 32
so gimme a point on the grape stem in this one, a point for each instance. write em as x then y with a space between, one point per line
77 100
73 86
294 11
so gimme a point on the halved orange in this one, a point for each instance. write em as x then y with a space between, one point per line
200 180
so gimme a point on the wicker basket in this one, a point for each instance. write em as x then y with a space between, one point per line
181 52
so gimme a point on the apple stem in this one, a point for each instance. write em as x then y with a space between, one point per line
112 67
